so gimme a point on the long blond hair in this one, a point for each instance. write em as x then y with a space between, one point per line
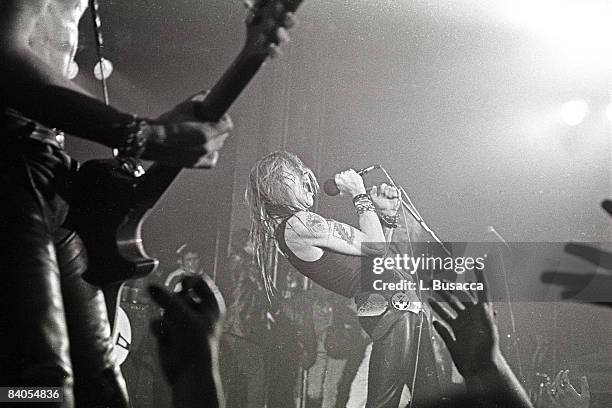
270 195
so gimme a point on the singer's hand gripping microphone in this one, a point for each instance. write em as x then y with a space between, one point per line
330 187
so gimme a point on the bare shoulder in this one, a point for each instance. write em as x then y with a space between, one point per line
308 224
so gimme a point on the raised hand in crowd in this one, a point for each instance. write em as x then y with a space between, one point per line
560 393
188 334
540 397
471 335
575 284
564 395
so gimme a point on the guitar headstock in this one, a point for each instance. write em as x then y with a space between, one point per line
264 22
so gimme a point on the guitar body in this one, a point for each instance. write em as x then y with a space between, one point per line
107 214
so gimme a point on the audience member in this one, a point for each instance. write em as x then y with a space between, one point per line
472 337
189 265
188 334
560 393
246 331
575 284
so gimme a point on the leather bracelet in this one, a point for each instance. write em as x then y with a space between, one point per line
363 203
361 197
389 221
365 208
134 139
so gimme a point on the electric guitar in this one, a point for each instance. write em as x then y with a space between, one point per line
112 203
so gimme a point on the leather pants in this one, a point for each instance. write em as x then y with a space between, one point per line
398 357
54 329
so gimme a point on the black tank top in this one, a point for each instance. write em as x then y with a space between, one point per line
334 271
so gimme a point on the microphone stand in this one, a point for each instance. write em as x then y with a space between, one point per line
407 204
421 221
514 335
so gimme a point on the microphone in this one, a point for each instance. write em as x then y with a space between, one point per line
330 187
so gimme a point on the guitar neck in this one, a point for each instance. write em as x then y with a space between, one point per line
229 87
237 77
218 101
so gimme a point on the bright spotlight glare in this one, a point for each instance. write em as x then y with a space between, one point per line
609 112
580 27
574 112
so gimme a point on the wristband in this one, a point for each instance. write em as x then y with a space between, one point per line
365 208
389 221
134 139
361 197
363 203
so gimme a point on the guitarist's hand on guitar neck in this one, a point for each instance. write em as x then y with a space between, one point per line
186 135
179 139
267 25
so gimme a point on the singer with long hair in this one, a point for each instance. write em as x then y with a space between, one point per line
280 194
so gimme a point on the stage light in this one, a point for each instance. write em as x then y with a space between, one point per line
107 69
609 112
574 112
579 28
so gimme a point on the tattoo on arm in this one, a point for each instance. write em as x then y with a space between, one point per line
315 222
344 232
